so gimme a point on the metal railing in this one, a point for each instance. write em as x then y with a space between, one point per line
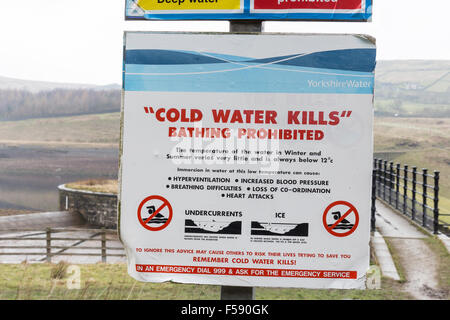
414 193
49 243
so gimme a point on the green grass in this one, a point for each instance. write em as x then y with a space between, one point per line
111 281
85 129
443 262
396 260
420 142
412 108
96 185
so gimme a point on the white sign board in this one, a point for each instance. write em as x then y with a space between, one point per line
246 159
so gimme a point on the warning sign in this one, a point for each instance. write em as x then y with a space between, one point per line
154 213
341 218
235 166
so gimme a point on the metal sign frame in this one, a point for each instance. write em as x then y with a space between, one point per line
248 11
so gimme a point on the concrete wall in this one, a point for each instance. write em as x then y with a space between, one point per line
98 209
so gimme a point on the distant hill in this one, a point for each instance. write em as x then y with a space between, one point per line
28 99
22 105
403 88
426 75
412 88
37 86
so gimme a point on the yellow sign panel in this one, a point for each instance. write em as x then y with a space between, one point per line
189 4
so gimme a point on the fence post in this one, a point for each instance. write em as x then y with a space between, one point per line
376 169
374 197
397 185
414 182
49 244
391 180
436 203
405 188
384 179
424 197
103 245
380 169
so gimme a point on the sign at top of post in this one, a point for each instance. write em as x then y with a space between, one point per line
337 10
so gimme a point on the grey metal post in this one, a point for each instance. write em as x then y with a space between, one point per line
103 240
424 197
413 203
380 171
49 245
231 292
405 188
436 203
391 180
397 184
374 198
246 26
384 179
237 293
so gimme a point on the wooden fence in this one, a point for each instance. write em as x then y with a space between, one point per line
47 243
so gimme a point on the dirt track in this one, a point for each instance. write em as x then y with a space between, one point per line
420 265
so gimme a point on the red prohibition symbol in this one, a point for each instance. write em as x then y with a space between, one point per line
340 212
154 213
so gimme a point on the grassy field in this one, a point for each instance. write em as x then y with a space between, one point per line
111 281
420 142
409 108
44 281
91 130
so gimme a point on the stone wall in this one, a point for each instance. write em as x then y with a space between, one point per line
98 209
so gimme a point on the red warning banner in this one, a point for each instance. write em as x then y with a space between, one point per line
256 272
309 4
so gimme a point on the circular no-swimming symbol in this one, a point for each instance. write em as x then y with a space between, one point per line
154 213
340 218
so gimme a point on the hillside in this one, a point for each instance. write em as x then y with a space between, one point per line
21 105
7 83
409 88
412 88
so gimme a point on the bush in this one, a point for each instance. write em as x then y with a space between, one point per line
59 271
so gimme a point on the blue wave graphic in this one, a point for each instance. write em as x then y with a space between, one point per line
347 71
157 57
361 60
252 80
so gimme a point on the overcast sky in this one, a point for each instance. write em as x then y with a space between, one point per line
81 40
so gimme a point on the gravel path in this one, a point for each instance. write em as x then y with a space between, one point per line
418 261
420 267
